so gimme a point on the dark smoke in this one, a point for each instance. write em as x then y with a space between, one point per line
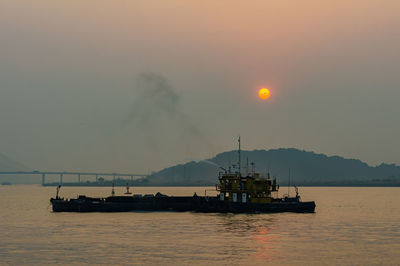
156 105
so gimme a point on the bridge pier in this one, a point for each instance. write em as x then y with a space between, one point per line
131 178
43 179
79 178
61 179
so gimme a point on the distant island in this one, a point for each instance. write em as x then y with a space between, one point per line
307 169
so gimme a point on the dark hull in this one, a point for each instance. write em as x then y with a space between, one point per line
196 204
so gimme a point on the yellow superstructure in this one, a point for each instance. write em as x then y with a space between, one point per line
252 188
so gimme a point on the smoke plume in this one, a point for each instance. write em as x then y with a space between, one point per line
157 112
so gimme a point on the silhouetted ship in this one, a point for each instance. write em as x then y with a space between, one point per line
251 193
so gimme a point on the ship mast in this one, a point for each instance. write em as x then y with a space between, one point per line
239 157
288 186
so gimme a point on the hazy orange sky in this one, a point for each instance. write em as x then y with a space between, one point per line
69 71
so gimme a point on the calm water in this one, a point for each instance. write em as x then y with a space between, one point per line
350 226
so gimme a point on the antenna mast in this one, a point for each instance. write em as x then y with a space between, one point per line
247 166
288 187
239 157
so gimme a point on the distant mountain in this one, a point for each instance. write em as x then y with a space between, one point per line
8 164
307 168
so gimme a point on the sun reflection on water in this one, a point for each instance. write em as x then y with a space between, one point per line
258 231
265 244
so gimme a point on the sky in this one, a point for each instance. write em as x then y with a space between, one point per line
136 86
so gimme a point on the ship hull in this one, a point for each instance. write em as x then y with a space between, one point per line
179 204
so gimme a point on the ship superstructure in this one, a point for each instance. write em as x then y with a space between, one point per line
252 187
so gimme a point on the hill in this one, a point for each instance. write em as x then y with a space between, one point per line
8 164
307 168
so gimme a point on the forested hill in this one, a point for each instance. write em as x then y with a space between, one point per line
307 168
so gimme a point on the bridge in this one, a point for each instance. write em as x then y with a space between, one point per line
78 174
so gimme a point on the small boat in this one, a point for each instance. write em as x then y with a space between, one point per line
236 193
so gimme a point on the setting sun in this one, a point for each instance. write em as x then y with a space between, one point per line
264 93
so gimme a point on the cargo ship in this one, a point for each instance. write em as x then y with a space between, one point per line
236 193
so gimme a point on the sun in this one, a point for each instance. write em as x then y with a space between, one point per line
264 93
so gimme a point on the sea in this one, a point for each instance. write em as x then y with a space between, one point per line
350 226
